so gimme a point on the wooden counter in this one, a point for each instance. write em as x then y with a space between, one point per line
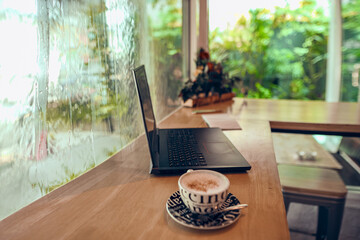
119 199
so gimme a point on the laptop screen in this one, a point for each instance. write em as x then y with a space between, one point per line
145 102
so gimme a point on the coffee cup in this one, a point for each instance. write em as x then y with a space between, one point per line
203 191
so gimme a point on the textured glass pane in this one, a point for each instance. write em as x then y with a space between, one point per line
67 97
165 30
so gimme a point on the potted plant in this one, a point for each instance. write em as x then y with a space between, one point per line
210 85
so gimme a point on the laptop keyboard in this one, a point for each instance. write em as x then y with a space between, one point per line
182 147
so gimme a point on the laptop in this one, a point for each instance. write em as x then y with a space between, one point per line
177 150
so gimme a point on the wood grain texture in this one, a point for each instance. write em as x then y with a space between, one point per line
312 181
119 199
319 116
287 145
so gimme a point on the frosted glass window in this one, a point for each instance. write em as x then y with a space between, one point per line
67 97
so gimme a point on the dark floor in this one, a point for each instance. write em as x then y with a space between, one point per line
302 220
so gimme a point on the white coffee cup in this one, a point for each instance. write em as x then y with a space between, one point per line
203 191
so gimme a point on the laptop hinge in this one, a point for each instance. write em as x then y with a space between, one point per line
156 142
156 147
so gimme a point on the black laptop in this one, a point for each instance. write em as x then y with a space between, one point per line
176 150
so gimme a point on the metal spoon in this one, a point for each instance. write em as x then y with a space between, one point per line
235 207
206 217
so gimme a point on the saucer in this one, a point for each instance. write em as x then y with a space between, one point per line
182 215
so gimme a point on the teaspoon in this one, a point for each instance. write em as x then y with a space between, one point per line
235 207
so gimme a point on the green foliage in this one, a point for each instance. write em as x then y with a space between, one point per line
351 47
243 48
260 92
298 89
283 52
76 111
165 23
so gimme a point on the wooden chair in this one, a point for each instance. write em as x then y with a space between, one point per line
316 186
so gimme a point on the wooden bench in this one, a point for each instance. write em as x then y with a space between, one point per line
316 186
313 182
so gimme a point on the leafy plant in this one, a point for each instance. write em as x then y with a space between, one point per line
210 79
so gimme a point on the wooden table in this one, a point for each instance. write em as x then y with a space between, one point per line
341 118
119 199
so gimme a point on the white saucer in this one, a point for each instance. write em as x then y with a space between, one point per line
182 215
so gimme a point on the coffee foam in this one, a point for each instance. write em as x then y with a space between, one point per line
203 182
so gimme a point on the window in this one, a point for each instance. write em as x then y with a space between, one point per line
67 98
279 48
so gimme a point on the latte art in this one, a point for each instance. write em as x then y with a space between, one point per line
202 186
202 182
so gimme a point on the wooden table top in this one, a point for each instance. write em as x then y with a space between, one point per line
119 199
294 115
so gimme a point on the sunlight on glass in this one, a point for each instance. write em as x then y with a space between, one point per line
67 97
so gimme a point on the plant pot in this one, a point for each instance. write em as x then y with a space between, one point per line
201 100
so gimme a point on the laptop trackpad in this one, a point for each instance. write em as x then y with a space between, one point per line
217 147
